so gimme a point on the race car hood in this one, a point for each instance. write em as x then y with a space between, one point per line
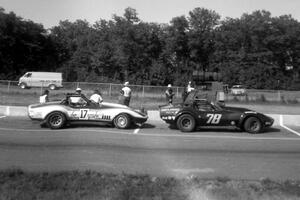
112 105
236 109
170 109
45 104
168 106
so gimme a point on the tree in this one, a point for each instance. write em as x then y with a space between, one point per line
177 49
202 23
24 46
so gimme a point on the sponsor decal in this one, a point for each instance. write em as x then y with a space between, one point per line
168 118
87 114
105 117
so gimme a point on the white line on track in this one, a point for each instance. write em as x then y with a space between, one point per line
136 131
287 128
2 117
74 131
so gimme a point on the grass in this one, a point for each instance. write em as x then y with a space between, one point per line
89 185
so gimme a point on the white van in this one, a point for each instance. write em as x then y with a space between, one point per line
53 80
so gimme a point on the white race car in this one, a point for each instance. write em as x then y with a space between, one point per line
56 115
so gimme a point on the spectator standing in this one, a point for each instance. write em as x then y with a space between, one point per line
189 87
187 91
169 94
96 97
126 93
44 97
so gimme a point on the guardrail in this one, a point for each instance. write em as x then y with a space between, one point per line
11 93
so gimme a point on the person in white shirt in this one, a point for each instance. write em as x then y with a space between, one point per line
189 87
77 100
96 97
45 97
126 93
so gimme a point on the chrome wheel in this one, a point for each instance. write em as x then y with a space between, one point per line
122 121
56 120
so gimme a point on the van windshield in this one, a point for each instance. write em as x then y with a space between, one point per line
27 75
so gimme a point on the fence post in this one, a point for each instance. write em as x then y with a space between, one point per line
143 95
177 94
42 88
109 92
8 86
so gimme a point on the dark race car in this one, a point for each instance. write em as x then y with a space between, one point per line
199 111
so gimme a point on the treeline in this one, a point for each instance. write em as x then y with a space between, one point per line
257 50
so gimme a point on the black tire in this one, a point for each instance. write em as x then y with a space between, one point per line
56 120
52 87
122 121
186 123
23 85
253 125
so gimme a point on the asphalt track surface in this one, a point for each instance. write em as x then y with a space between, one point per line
153 149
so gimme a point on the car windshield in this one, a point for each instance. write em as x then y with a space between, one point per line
216 106
199 95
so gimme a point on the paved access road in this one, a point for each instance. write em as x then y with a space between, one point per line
153 149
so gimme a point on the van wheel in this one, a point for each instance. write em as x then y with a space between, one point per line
56 120
23 85
52 87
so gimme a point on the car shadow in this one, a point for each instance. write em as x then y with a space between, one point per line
104 125
237 130
271 129
143 126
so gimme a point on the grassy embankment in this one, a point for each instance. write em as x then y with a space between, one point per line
88 185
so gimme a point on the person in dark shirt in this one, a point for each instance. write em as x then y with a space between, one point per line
169 94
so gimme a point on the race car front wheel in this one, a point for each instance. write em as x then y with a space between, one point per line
122 121
253 125
186 123
56 120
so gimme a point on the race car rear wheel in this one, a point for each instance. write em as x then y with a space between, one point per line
56 120
253 125
186 123
122 121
